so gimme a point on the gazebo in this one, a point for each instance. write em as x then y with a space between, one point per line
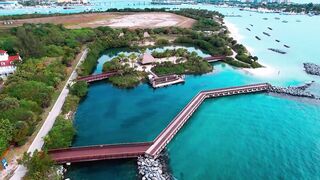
147 59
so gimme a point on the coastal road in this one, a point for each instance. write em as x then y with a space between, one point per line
47 125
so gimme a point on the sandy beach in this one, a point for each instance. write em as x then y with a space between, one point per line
267 70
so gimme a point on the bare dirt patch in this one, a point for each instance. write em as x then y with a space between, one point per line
117 20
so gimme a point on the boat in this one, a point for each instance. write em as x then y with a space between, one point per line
248 29
277 51
269 28
277 18
285 21
286 46
277 40
251 25
265 18
298 20
258 38
267 34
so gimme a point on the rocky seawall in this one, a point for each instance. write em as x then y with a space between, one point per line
312 68
154 169
299 91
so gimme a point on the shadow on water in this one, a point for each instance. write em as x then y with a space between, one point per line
104 170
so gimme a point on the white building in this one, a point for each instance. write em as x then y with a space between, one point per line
7 63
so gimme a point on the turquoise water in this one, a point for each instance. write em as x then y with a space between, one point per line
258 136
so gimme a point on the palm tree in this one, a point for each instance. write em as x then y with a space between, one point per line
133 58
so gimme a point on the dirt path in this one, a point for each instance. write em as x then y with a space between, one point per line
112 19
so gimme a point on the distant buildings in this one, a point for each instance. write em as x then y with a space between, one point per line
7 65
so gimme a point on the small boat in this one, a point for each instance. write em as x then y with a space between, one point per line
251 25
277 18
298 20
265 18
285 21
286 46
248 29
277 40
269 28
267 34
277 51
258 38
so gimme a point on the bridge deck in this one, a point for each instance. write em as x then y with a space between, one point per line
101 152
169 132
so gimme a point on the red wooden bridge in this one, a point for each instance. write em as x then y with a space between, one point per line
100 152
93 153
97 77
214 58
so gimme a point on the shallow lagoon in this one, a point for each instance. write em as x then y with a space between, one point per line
242 135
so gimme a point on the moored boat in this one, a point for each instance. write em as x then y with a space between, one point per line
248 29
277 40
286 46
277 51
267 34
269 28
258 38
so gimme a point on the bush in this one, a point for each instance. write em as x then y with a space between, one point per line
79 89
61 134
162 41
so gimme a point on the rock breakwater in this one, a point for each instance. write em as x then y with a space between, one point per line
312 68
153 169
299 91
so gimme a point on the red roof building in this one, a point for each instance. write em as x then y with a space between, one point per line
6 60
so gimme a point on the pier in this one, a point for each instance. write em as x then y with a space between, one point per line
154 148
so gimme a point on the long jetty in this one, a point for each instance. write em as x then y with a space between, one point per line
154 148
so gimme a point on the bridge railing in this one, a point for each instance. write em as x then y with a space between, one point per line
80 148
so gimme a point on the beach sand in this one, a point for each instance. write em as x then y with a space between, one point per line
267 70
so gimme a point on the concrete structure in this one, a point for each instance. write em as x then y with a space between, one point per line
157 82
153 149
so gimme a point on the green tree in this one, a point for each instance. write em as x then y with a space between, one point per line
40 166
6 131
79 89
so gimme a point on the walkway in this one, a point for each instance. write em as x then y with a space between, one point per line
97 77
154 148
214 58
100 152
47 125
171 130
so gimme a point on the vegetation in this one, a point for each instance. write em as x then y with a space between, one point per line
61 135
190 63
47 50
79 89
39 165
128 77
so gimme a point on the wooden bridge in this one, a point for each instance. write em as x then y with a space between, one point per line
97 77
99 152
214 58
93 153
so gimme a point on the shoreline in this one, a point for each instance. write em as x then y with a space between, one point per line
267 70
